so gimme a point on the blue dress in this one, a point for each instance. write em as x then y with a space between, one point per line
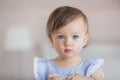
43 67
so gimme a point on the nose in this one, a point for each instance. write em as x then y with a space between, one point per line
68 42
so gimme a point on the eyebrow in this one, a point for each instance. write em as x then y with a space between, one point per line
77 33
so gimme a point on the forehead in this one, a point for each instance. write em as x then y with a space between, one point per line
75 26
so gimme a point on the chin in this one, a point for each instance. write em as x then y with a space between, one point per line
69 56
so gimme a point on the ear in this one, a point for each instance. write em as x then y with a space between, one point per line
85 40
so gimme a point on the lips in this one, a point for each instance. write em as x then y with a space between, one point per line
68 50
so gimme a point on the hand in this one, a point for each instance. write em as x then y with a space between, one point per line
54 77
78 77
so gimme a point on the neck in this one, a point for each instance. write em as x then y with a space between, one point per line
70 59
68 62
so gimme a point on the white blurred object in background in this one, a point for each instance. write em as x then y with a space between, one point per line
18 39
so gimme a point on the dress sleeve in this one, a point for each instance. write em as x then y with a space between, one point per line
94 64
39 68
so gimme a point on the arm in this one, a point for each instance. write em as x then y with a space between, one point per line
97 75
54 77
78 77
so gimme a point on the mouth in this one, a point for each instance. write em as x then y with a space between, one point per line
68 50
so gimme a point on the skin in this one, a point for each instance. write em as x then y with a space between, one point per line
68 42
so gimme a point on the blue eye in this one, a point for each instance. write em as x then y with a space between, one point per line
75 36
60 37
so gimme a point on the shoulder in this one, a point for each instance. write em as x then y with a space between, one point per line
94 61
93 65
39 67
38 60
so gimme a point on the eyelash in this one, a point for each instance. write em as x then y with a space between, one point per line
60 37
73 37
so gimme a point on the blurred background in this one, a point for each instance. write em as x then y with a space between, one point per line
23 35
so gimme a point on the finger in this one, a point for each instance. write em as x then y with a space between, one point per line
54 77
69 77
51 75
58 78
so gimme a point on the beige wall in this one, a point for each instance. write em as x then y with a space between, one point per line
104 22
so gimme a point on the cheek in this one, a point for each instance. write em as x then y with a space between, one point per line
79 44
58 45
78 48
59 48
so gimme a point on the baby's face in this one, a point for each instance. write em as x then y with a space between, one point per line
69 40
